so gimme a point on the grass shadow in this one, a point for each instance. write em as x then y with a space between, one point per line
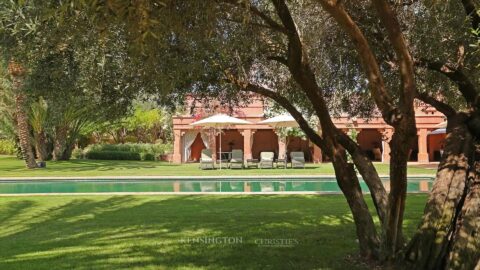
161 232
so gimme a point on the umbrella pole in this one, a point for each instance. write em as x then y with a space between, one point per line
285 155
220 147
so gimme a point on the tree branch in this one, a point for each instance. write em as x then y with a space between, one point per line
285 103
440 106
368 60
268 20
405 62
466 87
471 11
272 24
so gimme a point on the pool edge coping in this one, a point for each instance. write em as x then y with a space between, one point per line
153 177
184 193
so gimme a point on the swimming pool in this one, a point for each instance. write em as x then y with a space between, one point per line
304 185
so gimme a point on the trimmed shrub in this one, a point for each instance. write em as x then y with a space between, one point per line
78 153
149 156
7 147
113 155
146 150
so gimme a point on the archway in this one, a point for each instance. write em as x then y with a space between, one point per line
435 143
264 141
196 148
301 145
370 141
231 139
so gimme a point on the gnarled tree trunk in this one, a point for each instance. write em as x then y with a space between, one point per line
23 128
400 145
350 186
449 234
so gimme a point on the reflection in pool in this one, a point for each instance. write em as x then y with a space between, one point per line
268 185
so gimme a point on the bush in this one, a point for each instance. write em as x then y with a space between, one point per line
113 155
7 147
146 150
78 153
149 156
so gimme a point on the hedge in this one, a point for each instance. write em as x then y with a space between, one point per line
149 156
113 155
143 148
7 147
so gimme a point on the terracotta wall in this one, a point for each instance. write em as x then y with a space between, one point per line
435 143
231 139
196 107
369 138
264 141
299 144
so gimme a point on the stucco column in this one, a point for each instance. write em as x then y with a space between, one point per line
177 146
386 137
247 142
317 154
422 145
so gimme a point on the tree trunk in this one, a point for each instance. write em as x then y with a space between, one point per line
448 236
369 174
23 130
67 153
401 143
41 146
60 142
350 186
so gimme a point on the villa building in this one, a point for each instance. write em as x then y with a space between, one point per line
372 134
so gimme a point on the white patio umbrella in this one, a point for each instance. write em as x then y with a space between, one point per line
442 125
219 121
441 128
284 120
438 131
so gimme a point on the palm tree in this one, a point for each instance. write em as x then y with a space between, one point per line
17 72
67 130
38 119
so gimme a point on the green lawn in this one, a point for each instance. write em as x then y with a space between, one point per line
146 232
12 167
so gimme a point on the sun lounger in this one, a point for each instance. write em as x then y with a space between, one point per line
206 160
266 160
298 159
236 162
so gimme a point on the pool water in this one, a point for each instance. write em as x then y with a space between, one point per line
277 185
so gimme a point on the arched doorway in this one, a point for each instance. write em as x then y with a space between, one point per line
196 148
264 141
435 144
231 139
370 141
298 144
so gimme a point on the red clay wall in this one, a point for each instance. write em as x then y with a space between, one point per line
435 143
264 141
231 139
